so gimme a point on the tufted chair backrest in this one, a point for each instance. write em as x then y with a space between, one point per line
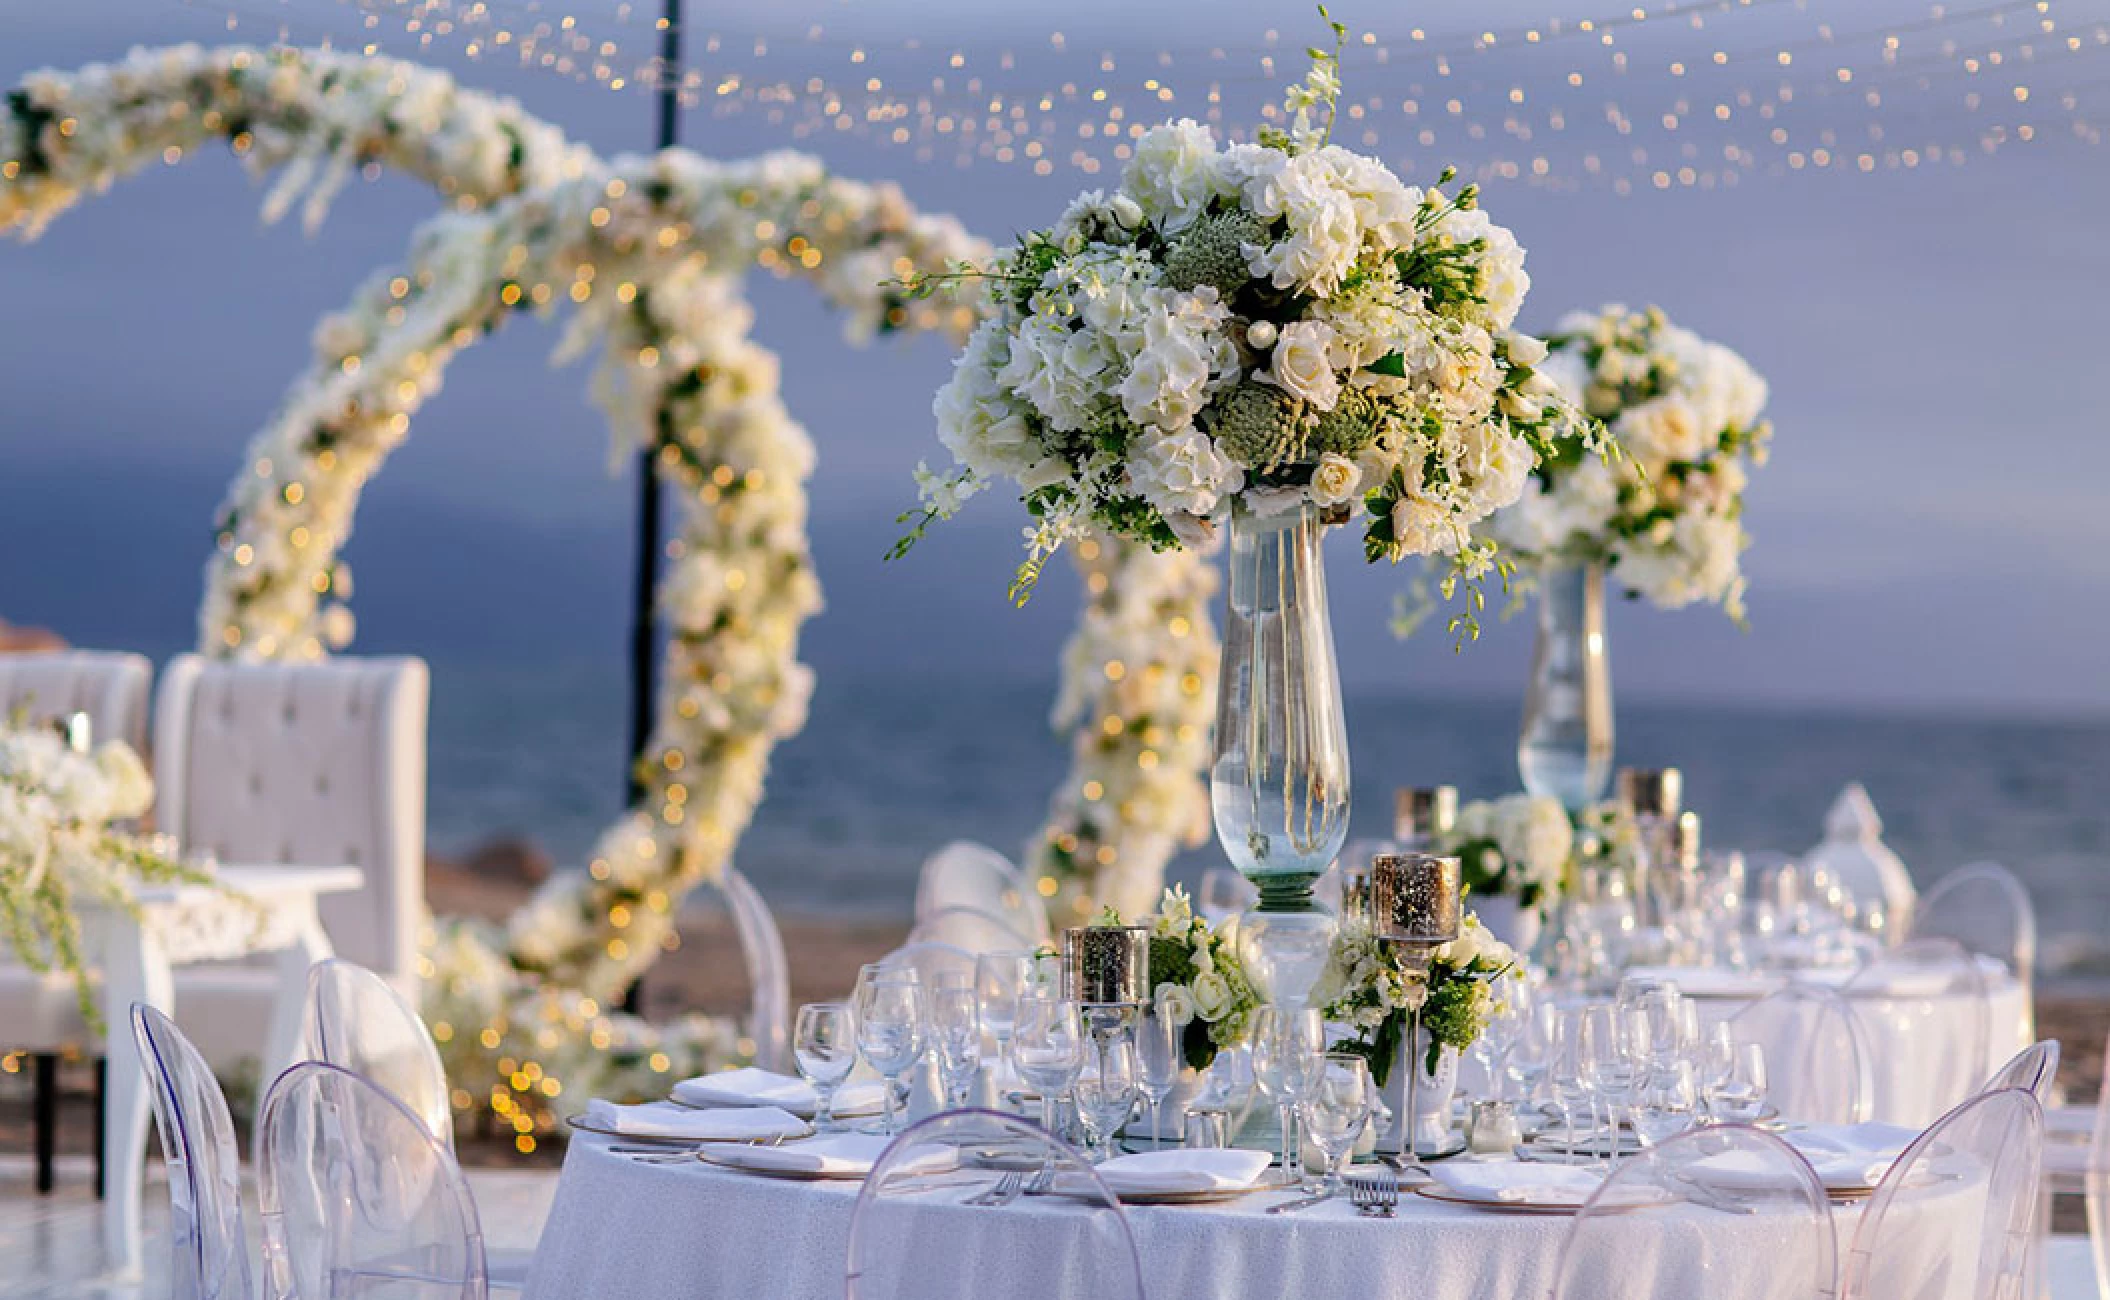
312 764
107 685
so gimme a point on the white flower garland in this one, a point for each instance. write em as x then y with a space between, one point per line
1138 697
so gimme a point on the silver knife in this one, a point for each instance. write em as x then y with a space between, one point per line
1303 1203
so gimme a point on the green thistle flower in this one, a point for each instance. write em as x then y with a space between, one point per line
1259 426
1350 426
1209 253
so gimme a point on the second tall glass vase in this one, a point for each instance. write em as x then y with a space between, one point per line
1278 784
1565 751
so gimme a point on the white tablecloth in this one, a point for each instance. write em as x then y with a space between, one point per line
624 1229
1918 1044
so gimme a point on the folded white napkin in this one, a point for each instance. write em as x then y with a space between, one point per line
845 1154
747 1086
1212 1169
663 1119
1524 1182
1710 981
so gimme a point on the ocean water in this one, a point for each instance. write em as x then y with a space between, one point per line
888 770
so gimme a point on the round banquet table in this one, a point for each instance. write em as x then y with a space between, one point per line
1918 1045
628 1229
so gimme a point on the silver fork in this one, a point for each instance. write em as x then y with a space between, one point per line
1005 1191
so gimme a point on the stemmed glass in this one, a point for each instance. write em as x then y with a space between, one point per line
1615 1045
824 1043
890 1028
1567 1071
1512 1006
1667 1102
1716 1059
1158 1054
1287 1045
1336 1108
1741 1097
999 980
1047 1047
1106 1093
956 1033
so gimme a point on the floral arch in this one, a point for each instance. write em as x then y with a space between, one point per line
647 254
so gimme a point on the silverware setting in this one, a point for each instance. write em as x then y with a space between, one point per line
1374 1198
1303 1203
1006 1190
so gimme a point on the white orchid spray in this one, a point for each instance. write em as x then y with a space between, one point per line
1264 326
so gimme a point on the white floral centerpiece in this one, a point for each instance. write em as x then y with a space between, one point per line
60 842
1268 325
1667 516
1607 838
1516 846
1198 978
1367 986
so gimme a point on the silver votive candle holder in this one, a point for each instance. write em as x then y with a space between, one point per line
1107 965
1657 792
1421 814
1416 898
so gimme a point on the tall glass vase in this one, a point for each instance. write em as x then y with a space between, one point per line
1278 784
1565 751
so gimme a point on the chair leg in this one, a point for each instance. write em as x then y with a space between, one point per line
44 1110
102 1099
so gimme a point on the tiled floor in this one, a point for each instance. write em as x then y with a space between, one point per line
51 1246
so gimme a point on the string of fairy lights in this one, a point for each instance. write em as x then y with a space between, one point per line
1693 94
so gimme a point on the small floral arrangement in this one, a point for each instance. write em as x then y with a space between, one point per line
58 842
1367 986
1667 515
1265 326
1518 845
1198 979
1607 838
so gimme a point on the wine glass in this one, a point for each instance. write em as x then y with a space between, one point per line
1567 1073
890 1029
1510 1005
1336 1108
824 1043
1666 1102
1287 1044
1615 1045
1047 1048
956 1033
999 979
1106 1092
1158 1054
1741 1098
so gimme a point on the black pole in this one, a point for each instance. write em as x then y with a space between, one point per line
644 638
644 647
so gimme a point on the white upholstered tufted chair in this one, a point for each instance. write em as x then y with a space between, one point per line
316 764
39 1013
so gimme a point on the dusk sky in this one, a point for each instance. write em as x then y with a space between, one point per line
1931 533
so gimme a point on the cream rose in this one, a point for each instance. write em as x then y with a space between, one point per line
1174 1003
1334 480
1212 996
1303 363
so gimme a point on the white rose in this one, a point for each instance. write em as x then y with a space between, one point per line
1526 350
1665 428
1335 480
1303 363
1174 1003
1423 527
1212 996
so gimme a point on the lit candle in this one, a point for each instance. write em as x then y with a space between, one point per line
1422 813
1415 897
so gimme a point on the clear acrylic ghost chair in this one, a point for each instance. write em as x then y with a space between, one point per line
2097 1180
1926 987
1818 1065
1987 910
356 1020
209 1249
359 1199
768 973
2032 1069
1773 1237
971 928
966 874
1956 1214
932 962
910 1240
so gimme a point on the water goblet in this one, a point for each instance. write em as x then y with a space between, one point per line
824 1043
1567 1071
1106 1091
1741 1098
1666 1102
1047 1049
1335 1109
999 980
956 1033
1158 1054
1614 1046
1287 1043
890 1030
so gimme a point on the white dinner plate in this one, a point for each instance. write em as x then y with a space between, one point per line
581 1123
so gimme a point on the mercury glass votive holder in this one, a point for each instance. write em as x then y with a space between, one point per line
1416 898
1107 965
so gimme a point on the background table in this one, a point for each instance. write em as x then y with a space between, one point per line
248 910
624 1229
